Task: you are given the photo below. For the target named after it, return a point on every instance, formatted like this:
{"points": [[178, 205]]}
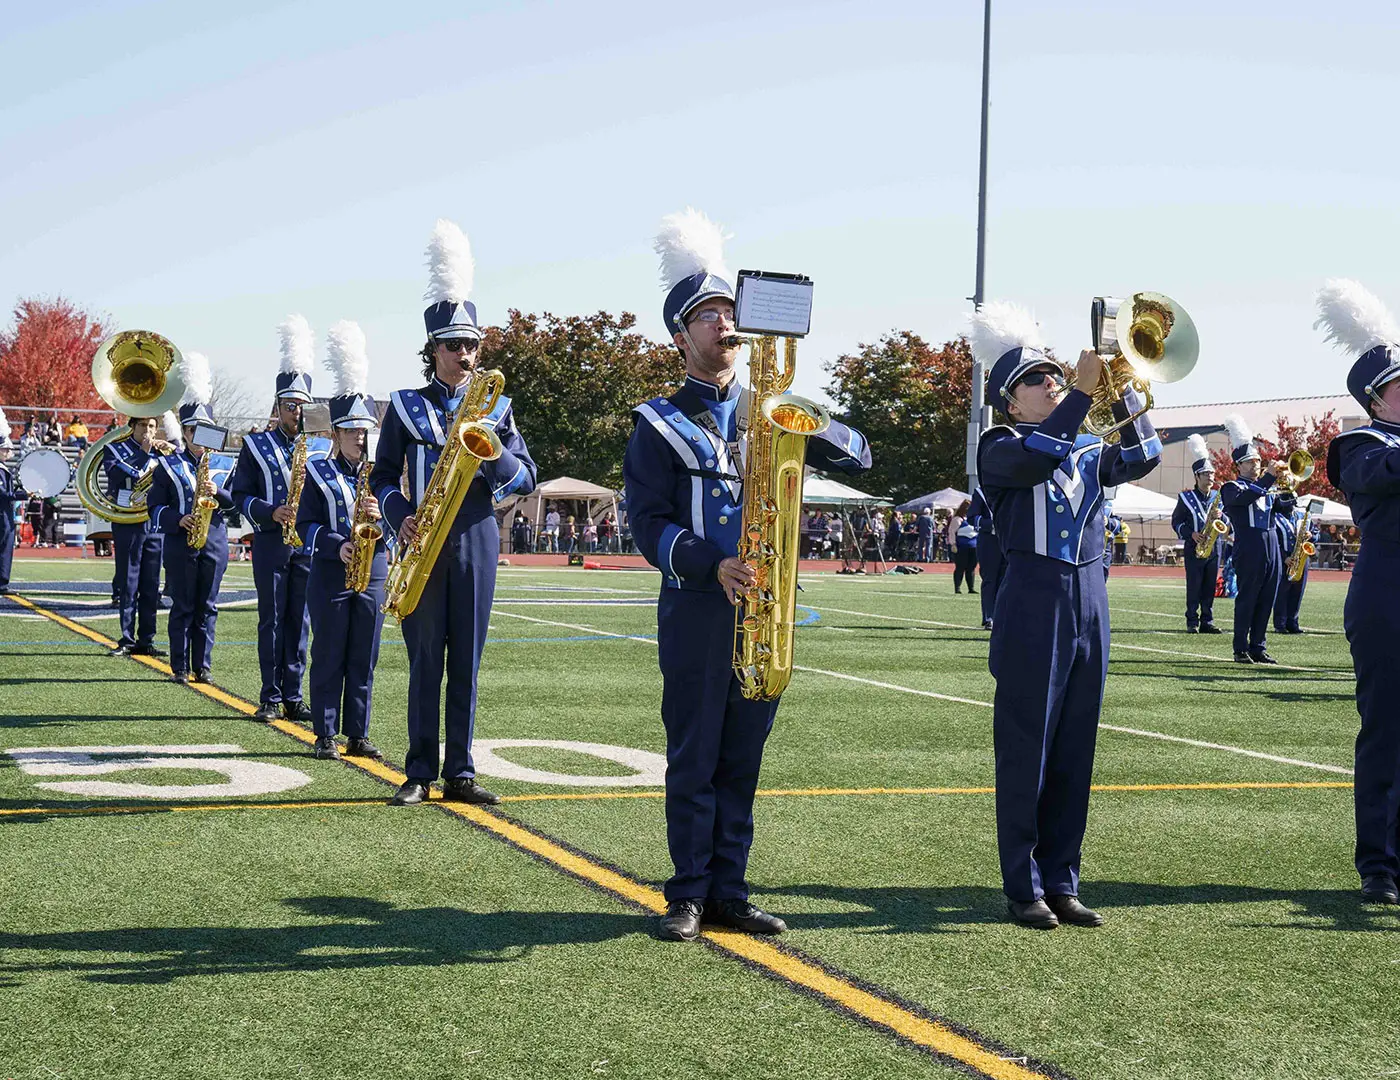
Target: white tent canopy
{"points": [[943, 499], [1333, 513], [1133, 503], [823, 492], [564, 487]]}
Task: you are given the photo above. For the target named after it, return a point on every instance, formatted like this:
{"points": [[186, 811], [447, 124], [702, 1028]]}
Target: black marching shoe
{"points": [[1380, 889], [681, 921], [326, 748], [204, 675], [268, 711], [1068, 909], [410, 793], [467, 790], [1192, 630], [1037, 914], [121, 650], [1210, 628], [1262, 657], [298, 711], [363, 748], [986, 624], [1243, 658], [180, 677], [741, 915], [148, 650]]}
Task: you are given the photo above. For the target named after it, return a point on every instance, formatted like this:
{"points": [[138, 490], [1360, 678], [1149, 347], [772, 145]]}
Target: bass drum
{"points": [[45, 472]]}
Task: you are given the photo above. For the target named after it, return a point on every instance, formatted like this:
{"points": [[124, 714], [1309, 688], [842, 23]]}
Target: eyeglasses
{"points": [[1036, 378], [467, 345], [710, 315]]}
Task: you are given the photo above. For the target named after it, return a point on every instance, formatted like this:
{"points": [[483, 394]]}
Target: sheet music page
{"points": [[775, 306]]}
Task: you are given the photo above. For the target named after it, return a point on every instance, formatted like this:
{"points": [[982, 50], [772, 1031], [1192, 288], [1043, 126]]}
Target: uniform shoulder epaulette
{"points": [[996, 431]]}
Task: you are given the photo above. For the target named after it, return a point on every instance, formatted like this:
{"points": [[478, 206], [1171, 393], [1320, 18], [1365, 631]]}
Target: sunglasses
{"points": [[1036, 378], [466, 345]]}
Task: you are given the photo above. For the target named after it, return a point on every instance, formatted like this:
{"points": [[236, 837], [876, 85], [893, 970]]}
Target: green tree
{"points": [[574, 381], [911, 400]]}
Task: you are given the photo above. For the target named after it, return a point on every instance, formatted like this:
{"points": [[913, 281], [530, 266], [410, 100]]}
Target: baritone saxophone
{"points": [[469, 443], [779, 426]]}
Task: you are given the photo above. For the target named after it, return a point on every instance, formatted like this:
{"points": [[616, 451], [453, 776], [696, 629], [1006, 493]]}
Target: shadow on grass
{"points": [[893, 910], [353, 932], [41, 810], [15, 723]]}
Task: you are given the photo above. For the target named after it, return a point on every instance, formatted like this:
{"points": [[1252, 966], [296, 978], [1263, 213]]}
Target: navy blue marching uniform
{"points": [[1289, 601], [989, 556], [1112, 529], [1189, 516], [138, 547], [10, 494], [192, 575], [685, 501], [1050, 632], [261, 483], [1252, 511]]}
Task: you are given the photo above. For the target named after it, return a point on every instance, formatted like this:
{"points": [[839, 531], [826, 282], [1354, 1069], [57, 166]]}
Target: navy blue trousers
{"points": [[446, 633], [1049, 656], [345, 647], [714, 747], [1289, 600], [137, 551], [283, 623], [192, 580], [1372, 622], [1257, 570], [1201, 576], [7, 549], [965, 568], [993, 564]]}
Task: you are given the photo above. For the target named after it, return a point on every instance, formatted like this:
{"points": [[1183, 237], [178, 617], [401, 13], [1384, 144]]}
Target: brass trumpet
{"points": [[1144, 339], [1296, 470]]}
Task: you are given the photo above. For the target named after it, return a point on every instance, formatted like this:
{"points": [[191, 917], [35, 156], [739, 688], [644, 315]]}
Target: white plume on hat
{"points": [[1196, 448], [199, 384], [170, 426], [451, 269], [298, 345], [1238, 430], [4, 429], [690, 243], [347, 357], [1353, 318], [999, 326]]}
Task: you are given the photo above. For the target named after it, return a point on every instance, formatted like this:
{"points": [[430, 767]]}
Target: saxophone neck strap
{"points": [[695, 408]]}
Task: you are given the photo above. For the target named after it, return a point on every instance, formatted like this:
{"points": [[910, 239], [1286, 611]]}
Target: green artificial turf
{"points": [[358, 941]]}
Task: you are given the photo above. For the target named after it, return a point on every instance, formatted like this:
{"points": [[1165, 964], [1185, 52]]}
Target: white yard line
{"points": [[972, 701], [1228, 660]]}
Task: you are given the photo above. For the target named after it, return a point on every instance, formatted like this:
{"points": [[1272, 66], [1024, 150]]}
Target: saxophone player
{"points": [[345, 622], [262, 485], [448, 626], [1192, 518], [685, 502], [1045, 481], [137, 547], [1294, 529], [192, 574], [1364, 463]]}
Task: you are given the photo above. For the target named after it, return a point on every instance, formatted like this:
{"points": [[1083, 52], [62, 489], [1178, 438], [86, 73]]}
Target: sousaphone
{"points": [[135, 372]]}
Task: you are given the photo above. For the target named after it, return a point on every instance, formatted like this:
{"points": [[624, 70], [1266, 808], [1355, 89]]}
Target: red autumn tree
{"points": [[1314, 435], [46, 357]]}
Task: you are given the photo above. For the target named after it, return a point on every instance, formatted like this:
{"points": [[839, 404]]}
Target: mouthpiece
{"points": [[731, 341]]}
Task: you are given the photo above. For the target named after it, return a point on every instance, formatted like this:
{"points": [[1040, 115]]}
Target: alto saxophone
{"points": [[290, 536], [1214, 529], [1303, 549], [779, 426], [204, 505], [364, 537], [469, 443]]}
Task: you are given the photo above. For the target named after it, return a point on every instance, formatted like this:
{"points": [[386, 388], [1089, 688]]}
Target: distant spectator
{"points": [[49, 525], [607, 530], [34, 515], [519, 534], [53, 434], [549, 535], [29, 440], [894, 548], [590, 537], [962, 542], [77, 433], [836, 533], [926, 530], [568, 536]]}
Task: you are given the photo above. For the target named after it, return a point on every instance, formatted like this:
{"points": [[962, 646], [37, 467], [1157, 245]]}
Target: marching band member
{"points": [[346, 623], [262, 483], [1044, 482], [989, 557], [137, 547], [1112, 528], [10, 493], [1289, 600], [192, 575], [1252, 508], [685, 501], [451, 619], [1365, 464], [1189, 523]]}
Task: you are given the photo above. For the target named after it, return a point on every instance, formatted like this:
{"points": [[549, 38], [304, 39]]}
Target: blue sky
{"points": [[204, 170]]}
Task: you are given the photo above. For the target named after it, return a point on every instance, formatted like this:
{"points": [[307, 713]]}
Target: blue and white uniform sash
{"points": [[428, 423], [275, 461]]}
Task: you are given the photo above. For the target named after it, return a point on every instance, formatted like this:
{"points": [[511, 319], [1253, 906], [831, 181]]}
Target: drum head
{"points": [[45, 472]]}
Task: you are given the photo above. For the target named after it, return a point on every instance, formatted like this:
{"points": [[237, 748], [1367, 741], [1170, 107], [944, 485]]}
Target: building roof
{"points": [[1178, 421]]}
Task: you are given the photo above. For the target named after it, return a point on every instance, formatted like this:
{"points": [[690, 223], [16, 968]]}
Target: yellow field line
{"points": [[865, 1004]]}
